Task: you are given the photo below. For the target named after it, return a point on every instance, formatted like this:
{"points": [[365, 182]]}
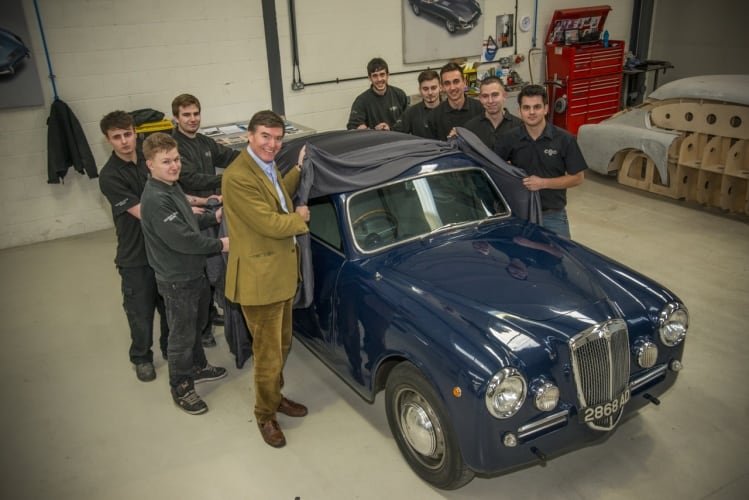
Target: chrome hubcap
{"points": [[418, 429], [421, 428]]}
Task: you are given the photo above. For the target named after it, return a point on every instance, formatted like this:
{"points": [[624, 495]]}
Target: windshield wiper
{"points": [[491, 217], [447, 226]]}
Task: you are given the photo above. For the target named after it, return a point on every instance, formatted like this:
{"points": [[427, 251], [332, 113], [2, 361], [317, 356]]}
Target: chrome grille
{"points": [[600, 362]]}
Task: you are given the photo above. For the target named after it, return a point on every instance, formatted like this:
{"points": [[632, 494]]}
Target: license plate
{"points": [[604, 410]]}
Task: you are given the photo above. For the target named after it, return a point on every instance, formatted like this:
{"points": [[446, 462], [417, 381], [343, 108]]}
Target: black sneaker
{"points": [[208, 373], [185, 397], [145, 372]]}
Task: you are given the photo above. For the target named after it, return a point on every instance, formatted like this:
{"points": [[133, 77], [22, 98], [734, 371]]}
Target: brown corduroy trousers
{"points": [[270, 325]]}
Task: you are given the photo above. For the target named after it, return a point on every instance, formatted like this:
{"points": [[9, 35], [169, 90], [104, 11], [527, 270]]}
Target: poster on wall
{"points": [[441, 29], [19, 78], [505, 30]]}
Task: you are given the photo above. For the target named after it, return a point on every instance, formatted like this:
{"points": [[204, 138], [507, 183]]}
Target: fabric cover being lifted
{"points": [[344, 161]]}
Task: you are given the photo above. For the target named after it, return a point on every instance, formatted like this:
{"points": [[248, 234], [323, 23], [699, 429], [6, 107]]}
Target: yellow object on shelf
{"points": [[151, 127], [471, 78]]}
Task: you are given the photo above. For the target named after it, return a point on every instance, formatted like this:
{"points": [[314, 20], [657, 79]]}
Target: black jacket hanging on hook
{"points": [[67, 145]]}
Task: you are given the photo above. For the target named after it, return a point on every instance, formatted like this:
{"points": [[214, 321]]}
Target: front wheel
{"points": [[415, 8], [418, 421], [450, 26]]}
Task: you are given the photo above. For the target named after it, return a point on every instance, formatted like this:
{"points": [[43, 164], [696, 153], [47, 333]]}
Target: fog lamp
{"points": [[646, 353], [546, 396]]}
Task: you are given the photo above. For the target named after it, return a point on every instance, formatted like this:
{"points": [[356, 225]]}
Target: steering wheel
{"points": [[361, 223]]}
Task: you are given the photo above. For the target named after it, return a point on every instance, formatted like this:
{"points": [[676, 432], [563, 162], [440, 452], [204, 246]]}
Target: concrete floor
{"points": [[78, 425]]}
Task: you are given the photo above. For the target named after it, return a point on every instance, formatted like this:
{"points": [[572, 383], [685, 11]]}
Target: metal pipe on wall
{"points": [[298, 84]]}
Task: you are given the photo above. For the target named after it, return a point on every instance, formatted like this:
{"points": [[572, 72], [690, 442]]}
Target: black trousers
{"points": [[216, 272], [140, 298], [186, 305]]}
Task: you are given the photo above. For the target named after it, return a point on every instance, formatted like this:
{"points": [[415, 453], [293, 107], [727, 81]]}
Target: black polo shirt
{"points": [[484, 128], [415, 121], [444, 118], [554, 154], [122, 183], [371, 109], [201, 156]]}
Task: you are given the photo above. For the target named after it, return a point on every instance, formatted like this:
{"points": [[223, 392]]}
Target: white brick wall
{"points": [[109, 54]]}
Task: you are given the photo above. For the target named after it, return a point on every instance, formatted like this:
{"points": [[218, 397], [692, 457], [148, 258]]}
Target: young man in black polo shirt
{"points": [[415, 120], [122, 180], [458, 108], [201, 156], [495, 120], [549, 154], [380, 106], [177, 251]]}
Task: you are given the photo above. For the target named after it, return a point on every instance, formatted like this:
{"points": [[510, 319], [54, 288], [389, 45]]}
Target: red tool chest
{"points": [[585, 75]]}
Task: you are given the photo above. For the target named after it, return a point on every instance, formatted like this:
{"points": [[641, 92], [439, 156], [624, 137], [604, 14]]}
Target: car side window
{"points": [[323, 222]]}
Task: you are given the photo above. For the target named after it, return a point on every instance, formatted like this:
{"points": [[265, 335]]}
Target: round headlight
{"points": [[646, 353], [505, 393], [546, 396], [673, 322]]}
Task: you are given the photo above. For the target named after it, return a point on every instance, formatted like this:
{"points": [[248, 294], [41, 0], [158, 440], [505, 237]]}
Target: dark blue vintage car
{"points": [[498, 343], [456, 14], [12, 52]]}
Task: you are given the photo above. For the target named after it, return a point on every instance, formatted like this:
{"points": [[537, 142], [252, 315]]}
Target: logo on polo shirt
{"points": [[550, 152], [170, 217]]}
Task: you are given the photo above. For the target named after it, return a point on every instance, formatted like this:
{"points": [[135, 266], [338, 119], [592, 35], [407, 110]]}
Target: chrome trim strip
{"points": [[644, 379], [544, 423]]}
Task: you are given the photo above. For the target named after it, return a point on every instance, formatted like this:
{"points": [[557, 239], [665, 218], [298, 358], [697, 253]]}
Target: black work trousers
{"points": [[186, 305], [140, 298]]}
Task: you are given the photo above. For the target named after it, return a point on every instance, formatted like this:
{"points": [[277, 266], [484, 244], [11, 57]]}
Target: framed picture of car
{"points": [[441, 29], [19, 78]]}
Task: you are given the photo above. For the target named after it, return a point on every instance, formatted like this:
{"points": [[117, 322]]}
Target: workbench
{"points": [[234, 135]]}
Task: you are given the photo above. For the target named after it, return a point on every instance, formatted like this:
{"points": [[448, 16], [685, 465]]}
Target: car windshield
{"points": [[417, 206]]}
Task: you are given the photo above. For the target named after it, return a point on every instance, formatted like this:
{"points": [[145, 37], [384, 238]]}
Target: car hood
{"points": [[514, 268], [465, 10]]}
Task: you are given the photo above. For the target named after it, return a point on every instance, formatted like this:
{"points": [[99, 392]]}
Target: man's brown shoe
{"points": [[272, 434], [292, 409]]}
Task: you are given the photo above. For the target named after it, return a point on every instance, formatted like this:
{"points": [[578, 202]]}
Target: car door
{"points": [[344, 324], [315, 323]]}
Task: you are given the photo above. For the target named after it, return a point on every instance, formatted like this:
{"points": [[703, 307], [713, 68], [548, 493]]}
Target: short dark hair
{"points": [[184, 100], [451, 66], [158, 142], [428, 74], [268, 119], [116, 119], [533, 90], [492, 79], [377, 64]]}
